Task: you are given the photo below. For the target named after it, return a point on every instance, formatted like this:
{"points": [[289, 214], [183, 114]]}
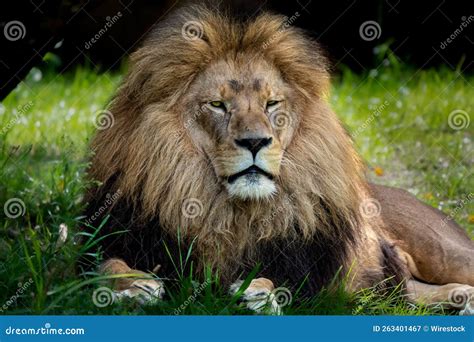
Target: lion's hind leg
{"points": [[456, 296], [435, 248], [143, 287]]}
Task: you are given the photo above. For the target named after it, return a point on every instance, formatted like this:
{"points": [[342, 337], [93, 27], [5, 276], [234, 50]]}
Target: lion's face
{"points": [[242, 122]]}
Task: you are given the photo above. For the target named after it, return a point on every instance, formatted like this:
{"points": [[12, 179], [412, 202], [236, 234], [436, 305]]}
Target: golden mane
{"points": [[153, 162]]}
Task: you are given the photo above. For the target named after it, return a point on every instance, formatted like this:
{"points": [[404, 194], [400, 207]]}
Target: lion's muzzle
{"points": [[254, 178]]}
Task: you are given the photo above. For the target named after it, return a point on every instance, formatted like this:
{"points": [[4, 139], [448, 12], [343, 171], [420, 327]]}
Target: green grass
{"points": [[397, 115]]}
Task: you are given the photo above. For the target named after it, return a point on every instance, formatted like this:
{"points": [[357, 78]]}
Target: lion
{"points": [[224, 148]]}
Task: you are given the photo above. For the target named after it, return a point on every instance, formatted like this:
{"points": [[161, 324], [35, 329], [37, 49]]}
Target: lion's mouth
{"points": [[251, 171]]}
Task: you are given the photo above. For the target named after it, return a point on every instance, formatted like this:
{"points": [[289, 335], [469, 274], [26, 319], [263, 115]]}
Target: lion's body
{"points": [[298, 216]]}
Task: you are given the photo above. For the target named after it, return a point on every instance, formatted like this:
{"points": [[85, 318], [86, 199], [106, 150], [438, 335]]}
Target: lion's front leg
{"points": [[143, 287], [259, 296]]}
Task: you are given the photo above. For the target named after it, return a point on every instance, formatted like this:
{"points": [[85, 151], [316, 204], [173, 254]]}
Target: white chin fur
{"points": [[253, 187]]}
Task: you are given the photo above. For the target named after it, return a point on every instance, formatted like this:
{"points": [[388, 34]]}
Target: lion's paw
{"points": [[468, 310], [462, 298], [258, 297], [145, 291]]}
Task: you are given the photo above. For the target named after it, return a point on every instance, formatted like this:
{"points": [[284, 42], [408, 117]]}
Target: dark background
{"points": [[414, 31]]}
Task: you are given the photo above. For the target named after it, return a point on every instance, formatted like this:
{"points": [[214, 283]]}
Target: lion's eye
{"points": [[217, 104], [272, 103]]}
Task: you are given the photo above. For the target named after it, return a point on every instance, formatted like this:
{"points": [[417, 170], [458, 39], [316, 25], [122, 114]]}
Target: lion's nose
{"points": [[254, 145]]}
